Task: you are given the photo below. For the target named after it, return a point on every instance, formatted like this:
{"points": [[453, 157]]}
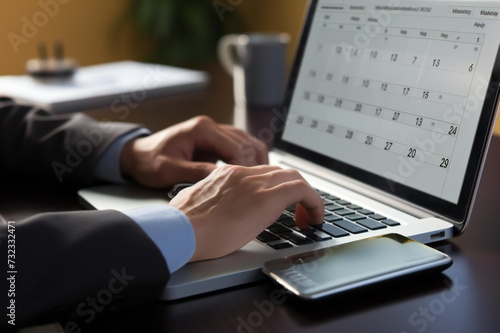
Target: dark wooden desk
{"points": [[466, 298]]}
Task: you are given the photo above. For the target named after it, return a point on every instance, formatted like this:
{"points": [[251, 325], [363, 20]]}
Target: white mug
{"points": [[257, 63]]}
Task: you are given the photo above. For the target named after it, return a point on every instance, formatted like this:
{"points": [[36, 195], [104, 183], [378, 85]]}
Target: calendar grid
{"points": [[476, 39], [385, 87], [371, 140], [406, 83]]}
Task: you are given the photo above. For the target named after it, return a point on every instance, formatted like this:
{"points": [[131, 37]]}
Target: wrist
{"points": [[128, 159]]}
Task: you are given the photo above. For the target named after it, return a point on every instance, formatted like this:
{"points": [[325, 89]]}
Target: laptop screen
{"points": [[397, 94]]}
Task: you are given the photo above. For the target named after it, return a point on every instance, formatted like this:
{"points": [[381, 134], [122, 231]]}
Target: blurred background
{"points": [[175, 32], [182, 32]]}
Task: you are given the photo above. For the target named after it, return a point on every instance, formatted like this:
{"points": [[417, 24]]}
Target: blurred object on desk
{"points": [[216, 101], [51, 69], [112, 85], [257, 62]]}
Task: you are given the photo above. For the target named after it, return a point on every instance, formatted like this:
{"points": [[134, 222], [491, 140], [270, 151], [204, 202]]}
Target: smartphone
{"points": [[324, 272]]}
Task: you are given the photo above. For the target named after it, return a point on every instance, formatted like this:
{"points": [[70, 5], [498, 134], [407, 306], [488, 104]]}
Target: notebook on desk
{"points": [[389, 114], [117, 85]]}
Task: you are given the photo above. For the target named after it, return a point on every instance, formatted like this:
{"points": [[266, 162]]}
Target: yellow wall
{"points": [[86, 27], [275, 15]]}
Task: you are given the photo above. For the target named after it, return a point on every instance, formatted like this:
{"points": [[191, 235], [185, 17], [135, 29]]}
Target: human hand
{"points": [[234, 204], [186, 152]]}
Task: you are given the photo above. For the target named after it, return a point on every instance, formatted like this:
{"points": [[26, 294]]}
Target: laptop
{"points": [[389, 114]]}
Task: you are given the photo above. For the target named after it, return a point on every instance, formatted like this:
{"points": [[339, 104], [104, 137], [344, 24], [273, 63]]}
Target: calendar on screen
{"points": [[396, 88]]}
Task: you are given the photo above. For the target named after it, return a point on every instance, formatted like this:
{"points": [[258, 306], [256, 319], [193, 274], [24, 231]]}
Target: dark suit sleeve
{"points": [[64, 148], [77, 265]]}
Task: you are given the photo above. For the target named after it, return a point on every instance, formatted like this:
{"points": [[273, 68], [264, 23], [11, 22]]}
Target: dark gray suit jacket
{"points": [[69, 265]]}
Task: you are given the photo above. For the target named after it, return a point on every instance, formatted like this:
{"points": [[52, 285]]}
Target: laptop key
{"points": [[296, 238], [331, 197], [332, 230], [371, 224], [321, 193], [355, 217], [377, 217], [333, 207], [280, 245], [343, 202], [332, 218], [283, 217], [290, 223], [315, 234], [354, 207], [274, 225], [351, 227], [365, 211], [266, 237], [390, 223], [344, 212], [280, 230]]}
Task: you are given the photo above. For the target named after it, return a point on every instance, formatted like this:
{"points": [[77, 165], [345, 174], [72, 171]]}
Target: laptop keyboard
{"points": [[342, 219]]}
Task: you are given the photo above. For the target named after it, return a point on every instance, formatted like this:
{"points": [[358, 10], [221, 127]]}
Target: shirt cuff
{"points": [[108, 166], [170, 230]]}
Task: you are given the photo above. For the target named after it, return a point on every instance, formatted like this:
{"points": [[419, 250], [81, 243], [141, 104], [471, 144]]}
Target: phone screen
{"points": [[327, 271]]}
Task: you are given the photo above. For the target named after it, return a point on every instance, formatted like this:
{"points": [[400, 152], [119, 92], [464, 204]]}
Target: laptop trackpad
{"points": [[120, 197]]}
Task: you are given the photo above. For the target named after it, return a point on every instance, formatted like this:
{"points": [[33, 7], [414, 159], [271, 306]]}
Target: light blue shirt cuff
{"points": [[108, 166], [170, 230]]}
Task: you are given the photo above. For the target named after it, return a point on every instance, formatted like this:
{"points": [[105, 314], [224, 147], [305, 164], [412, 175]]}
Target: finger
{"points": [[274, 176], [310, 208], [211, 138], [254, 150], [187, 171], [284, 188], [291, 188], [245, 152], [303, 219]]}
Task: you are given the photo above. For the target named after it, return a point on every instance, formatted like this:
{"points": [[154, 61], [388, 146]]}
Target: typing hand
{"points": [[187, 152], [234, 204]]}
